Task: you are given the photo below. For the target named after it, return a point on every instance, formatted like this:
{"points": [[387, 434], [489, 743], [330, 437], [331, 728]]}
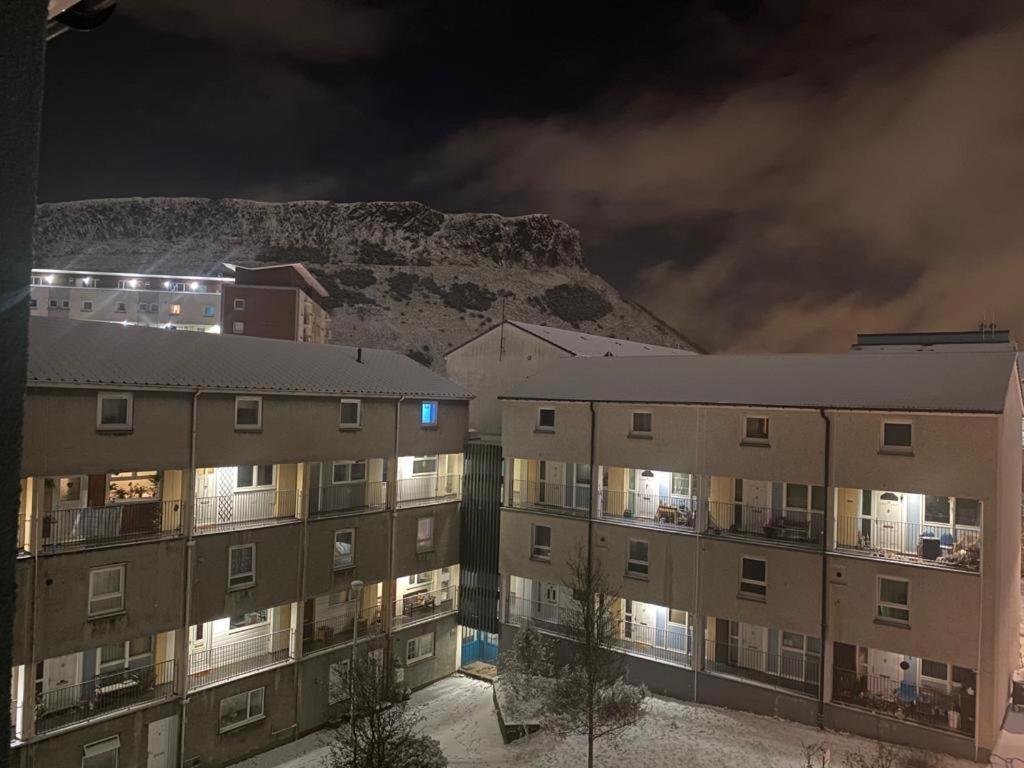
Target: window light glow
{"points": [[49, 278]]}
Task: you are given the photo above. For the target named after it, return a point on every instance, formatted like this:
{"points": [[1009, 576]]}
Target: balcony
{"points": [[791, 671], [244, 509], [952, 711], [946, 545], [69, 704], [67, 529], [415, 606], [428, 489], [791, 526], [545, 496], [349, 497], [337, 630], [214, 663], [661, 510]]}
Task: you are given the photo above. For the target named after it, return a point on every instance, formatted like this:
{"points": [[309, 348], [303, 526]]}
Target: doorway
{"points": [[162, 743]]}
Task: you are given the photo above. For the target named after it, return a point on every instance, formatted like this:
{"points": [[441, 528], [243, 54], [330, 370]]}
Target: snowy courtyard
{"points": [[458, 712]]}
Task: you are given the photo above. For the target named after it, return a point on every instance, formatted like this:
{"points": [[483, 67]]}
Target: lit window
{"points": [[897, 436], [894, 600], [424, 465], [208, 310], [248, 412], [424, 534], [636, 561], [102, 754], [239, 304], [428, 413], [241, 566], [755, 429], [238, 327], [174, 309], [129, 486], [250, 619], [680, 484], [106, 590], [546, 419], [241, 709], [349, 414], [753, 577], [421, 647], [87, 306], [641, 425], [250, 476], [114, 410], [344, 549], [541, 549]]}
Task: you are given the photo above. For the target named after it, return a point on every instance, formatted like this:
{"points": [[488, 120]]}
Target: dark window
{"points": [[546, 418], [936, 509], [642, 422], [753, 577], [756, 428], [968, 512], [896, 435], [934, 669]]}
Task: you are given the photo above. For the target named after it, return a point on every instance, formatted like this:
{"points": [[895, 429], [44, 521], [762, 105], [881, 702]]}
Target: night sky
{"points": [[763, 175]]}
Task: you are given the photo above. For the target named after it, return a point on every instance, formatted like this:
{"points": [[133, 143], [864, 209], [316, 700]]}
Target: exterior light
{"points": [[86, 280], [213, 329], [194, 286], [167, 283], [647, 473], [49, 278], [132, 283]]}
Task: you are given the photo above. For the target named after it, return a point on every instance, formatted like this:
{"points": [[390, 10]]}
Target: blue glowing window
{"points": [[428, 413]]}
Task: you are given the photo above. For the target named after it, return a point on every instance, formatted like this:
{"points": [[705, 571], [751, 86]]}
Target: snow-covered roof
{"points": [[77, 353], [974, 382]]}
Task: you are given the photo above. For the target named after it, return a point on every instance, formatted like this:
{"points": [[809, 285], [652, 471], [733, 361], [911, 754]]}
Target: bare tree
{"points": [[384, 734]]}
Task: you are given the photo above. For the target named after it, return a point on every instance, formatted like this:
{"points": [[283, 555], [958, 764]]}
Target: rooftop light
{"points": [[194, 286], [49, 278]]}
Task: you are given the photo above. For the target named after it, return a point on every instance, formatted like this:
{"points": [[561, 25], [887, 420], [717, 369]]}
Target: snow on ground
{"points": [[459, 712]]}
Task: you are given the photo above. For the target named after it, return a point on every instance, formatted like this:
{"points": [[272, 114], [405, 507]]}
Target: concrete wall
{"points": [[674, 445], [449, 436], [315, 711], [446, 539], [441, 664], [371, 555], [570, 440], [863, 723], [21, 627]]}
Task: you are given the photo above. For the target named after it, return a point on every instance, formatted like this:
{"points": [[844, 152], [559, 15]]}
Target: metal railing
{"points": [[952, 711], [221, 661], [547, 617], [804, 527], [69, 704], [109, 524], [792, 671], [923, 542], [414, 607], [331, 499], [337, 629], [552, 497], [243, 508], [428, 489], [646, 508]]}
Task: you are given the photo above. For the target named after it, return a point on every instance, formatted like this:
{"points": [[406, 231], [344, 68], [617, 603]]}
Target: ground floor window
{"points": [[337, 683], [101, 754], [240, 709], [421, 647]]}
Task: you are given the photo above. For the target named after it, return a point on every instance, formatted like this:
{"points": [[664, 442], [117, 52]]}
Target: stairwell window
{"points": [[241, 709], [241, 566], [428, 413], [637, 564], [545, 419], [106, 590], [897, 437], [641, 424], [755, 430], [893, 600], [350, 414], [114, 411], [753, 578], [541, 548], [248, 413], [425, 534]]}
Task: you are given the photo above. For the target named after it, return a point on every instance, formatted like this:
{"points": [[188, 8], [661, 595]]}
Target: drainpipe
{"points": [[392, 522], [299, 614], [188, 519], [824, 567]]}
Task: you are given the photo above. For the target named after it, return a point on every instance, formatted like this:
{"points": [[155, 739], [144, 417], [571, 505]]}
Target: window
{"points": [[936, 670], [102, 754], [425, 534], [753, 577], [349, 414], [337, 683], [428, 413], [755, 429], [541, 549], [208, 310], [87, 306], [680, 484], [33, 303], [248, 413], [677, 616], [106, 590], [344, 549], [241, 566], [636, 558], [131, 486], [119, 656], [250, 619], [936, 509], [968, 513], [546, 419], [114, 410], [239, 304], [127, 284], [897, 436], [418, 579], [154, 307], [641, 425], [65, 304], [348, 472], [241, 709], [254, 476], [421, 647], [238, 327], [54, 304], [174, 309], [424, 465], [121, 307], [894, 600]]}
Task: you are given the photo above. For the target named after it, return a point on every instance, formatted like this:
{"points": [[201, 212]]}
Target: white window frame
{"points": [[417, 641], [352, 557], [359, 413], [337, 682], [239, 305], [428, 473], [631, 561], [934, 683], [126, 396], [436, 409], [87, 305], [259, 413], [633, 431], [754, 583], [904, 449], [540, 551], [545, 427], [757, 440], [424, 544], [248, 627], [234, 582], [237, 326], [256, 485], [348, 463], [250, 716], [100, 749], [880, 604], [689, 485], [93, 596]]}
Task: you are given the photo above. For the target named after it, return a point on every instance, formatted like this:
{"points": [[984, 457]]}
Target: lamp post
{"points": [[355, 592]]}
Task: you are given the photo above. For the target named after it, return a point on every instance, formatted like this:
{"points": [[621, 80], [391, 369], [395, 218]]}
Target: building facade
{"points": [[280, 301], [195, 512], [832, 539]]}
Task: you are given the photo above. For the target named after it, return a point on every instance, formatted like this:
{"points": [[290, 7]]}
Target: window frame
{"points": [[249, 716], [348, 463], [749, 439], [541, 426], [418, 640], [209, 310], [237, 326], [119, 568], [885, 604], [884, 447], [430, 473], [101, 748], [87, 305], [238, 305], [689, 485], [174, 309], [335, 567], [233, 583], [540, 552], [247, 627], [121, 307], [633, 431], [256, 484], [758, 588], [358, 423], [434, 407], [633, 561], [128, 425], [258, 399], [424, 544]]}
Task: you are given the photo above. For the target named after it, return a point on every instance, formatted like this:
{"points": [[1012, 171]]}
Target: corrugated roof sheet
{"points": [[927, 381], [79, 352], [589, 345]]}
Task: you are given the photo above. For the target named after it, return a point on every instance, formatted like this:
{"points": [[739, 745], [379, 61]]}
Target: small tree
{"points": [[383, 734], [527, 665]]}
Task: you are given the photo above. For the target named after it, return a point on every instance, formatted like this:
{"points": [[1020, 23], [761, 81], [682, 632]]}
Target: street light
{"points": [[355, 592]]}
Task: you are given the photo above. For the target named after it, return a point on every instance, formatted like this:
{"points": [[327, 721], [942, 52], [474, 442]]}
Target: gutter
{"points": [[824, 568]]}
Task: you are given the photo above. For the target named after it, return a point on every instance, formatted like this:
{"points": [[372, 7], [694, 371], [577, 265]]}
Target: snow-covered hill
{"points": [[401, 275]]}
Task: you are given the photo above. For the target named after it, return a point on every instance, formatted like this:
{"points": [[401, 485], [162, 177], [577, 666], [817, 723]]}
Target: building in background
{"points": [[280, 301]]}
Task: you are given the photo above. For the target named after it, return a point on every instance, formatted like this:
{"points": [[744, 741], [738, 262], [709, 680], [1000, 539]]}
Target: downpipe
{"points": [[824, 566]]}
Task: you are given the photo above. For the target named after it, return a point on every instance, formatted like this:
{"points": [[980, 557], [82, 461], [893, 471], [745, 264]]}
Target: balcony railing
{"points": [[918, 542], [952, 711], [414, 607], [552, 497], [95, 526], [70, 704], [792, 671], [244, 508], [428, 489], [219, 662], [805, 527], [650, 509], [337, 630], [334, 499]]}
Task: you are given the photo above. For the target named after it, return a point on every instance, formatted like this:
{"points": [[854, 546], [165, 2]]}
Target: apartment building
{"points": [[832, 539], [277, 301], [197, 514]]}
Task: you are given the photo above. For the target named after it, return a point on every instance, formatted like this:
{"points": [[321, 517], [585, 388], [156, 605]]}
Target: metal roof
{"points": [[971, 382], [77, 353]]}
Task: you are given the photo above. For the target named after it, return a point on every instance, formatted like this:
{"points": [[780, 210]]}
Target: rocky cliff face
{"points": [[401, 275]]}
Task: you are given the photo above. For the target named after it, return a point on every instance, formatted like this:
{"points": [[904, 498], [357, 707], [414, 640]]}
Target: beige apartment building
{"points": [[195, 510], [832, 539]]}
